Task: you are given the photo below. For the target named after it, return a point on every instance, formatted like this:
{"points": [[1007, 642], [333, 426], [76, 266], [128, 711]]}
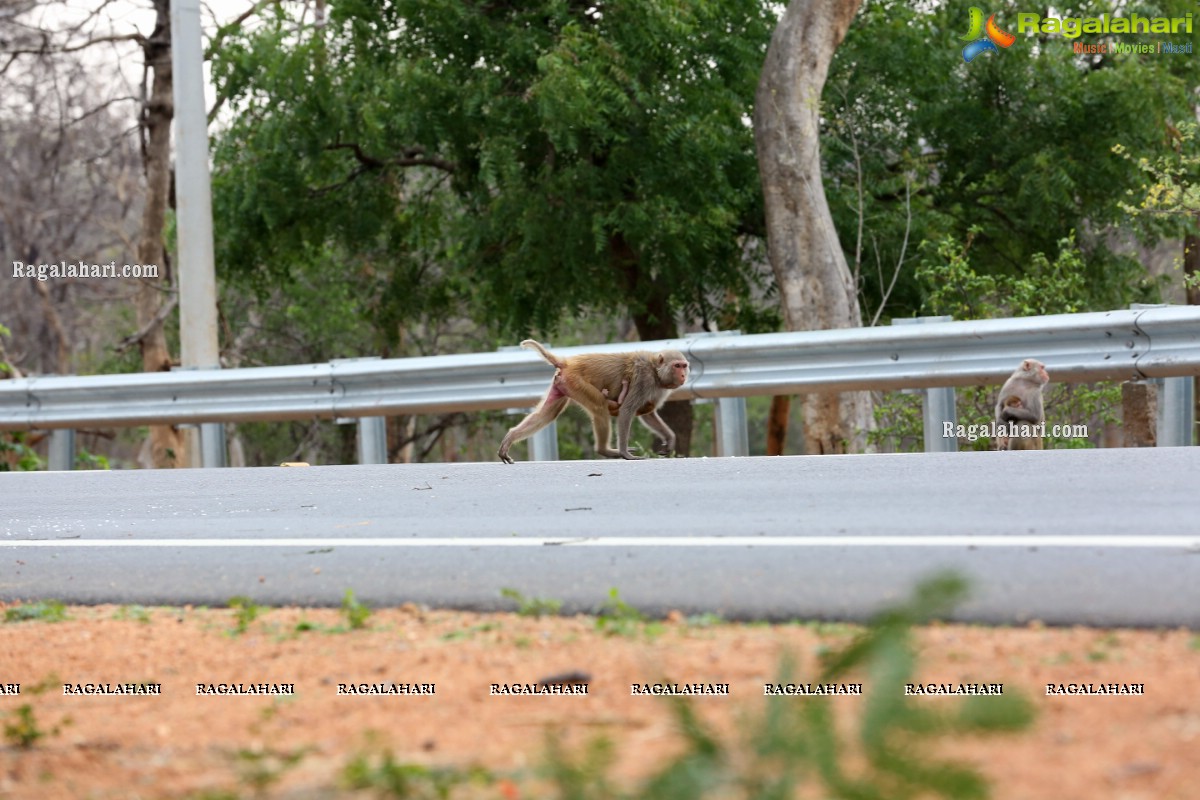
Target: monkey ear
{"points": [[661, 359]]}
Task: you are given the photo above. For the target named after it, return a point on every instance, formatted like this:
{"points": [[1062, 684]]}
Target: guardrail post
{"points": [[372, 440], [62, 449], [1176, 421], [212, 445], [938, 405], [211, 435], [370, 432], [939, 408], [543, 445], [732, 438]]}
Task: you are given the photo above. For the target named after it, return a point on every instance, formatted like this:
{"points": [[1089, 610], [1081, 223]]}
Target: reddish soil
{"points": [[178, 744]]}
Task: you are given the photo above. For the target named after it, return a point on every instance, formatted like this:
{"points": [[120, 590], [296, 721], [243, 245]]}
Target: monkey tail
{"points": [[554, 360]]}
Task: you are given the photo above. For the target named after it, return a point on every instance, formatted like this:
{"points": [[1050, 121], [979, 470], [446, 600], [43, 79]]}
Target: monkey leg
{"points": [[552, 405], [603, 435], [624, 424], [661, 429]]}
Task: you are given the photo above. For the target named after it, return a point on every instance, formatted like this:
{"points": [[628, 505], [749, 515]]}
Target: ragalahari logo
{"points": [[983, 37]]}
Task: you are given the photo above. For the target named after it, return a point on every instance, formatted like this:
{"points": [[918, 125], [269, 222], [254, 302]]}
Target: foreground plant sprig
{"points": [[792, 744]]}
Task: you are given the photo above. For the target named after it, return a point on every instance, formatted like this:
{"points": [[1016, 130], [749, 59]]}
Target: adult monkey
{"points": [[640, 381], [1020, 405]]}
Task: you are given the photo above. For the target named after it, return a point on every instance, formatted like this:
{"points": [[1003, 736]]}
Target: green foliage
{"points": [[41, 611], [260, 769], [14, 449], [469, 633], [618, 618], [87, 460], [245, 611], [135, 612], [708, 619], [899, 425], [532, 606], [410, 781], [790, 746], [1171, 179], [448, 158], [581, 776], [5, 367], [21, 727], [953, 286], [355, 612], [1016, 145]]}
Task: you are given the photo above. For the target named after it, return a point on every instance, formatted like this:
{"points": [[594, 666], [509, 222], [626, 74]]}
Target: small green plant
{"points": [[21, 728], [15, 453], [86, 460], [245, 611], [41, 611], [793, 749], [138, 613], [462, 635], [532, 606], [262, 768], [356, 613], [410, 781], [584, 775], [618, 618]]}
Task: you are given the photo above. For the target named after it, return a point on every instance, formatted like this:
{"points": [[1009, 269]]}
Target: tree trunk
{"points": [[651, 312], [166, 441], [815, 284]]}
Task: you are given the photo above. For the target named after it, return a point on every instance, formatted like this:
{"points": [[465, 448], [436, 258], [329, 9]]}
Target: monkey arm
{"points": [[661, 429]]}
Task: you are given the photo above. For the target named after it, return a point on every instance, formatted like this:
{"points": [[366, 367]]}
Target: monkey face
{"points": [[673, 369], [681, 372], [1035, 368]]}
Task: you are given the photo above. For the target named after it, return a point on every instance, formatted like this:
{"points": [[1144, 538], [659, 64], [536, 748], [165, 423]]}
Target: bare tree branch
{"points": [[411, 157], [132, 339], [46, 49]]}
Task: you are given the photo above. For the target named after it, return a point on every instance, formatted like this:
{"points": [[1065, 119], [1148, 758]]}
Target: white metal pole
{"points": [[193, 199]]}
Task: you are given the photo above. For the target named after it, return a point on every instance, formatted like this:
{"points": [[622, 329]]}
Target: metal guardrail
{"points": [[1115, 345]]}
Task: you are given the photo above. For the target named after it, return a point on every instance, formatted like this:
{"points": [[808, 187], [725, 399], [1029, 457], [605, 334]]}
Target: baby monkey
{"points": [[640, 381], [1020, 404]]}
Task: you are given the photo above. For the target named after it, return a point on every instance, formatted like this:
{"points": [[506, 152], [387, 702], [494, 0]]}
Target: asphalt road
{"points": [[1102, 537]]}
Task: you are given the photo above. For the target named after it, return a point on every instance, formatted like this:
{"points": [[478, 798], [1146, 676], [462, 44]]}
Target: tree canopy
{"points": [[1011, 154], [532, 160]]}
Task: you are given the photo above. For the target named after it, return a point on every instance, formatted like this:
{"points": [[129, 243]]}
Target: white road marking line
{"points": [[1159, 542]]}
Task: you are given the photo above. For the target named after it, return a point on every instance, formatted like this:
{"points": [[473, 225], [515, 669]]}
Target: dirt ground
{"points": [[178, 744]]}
